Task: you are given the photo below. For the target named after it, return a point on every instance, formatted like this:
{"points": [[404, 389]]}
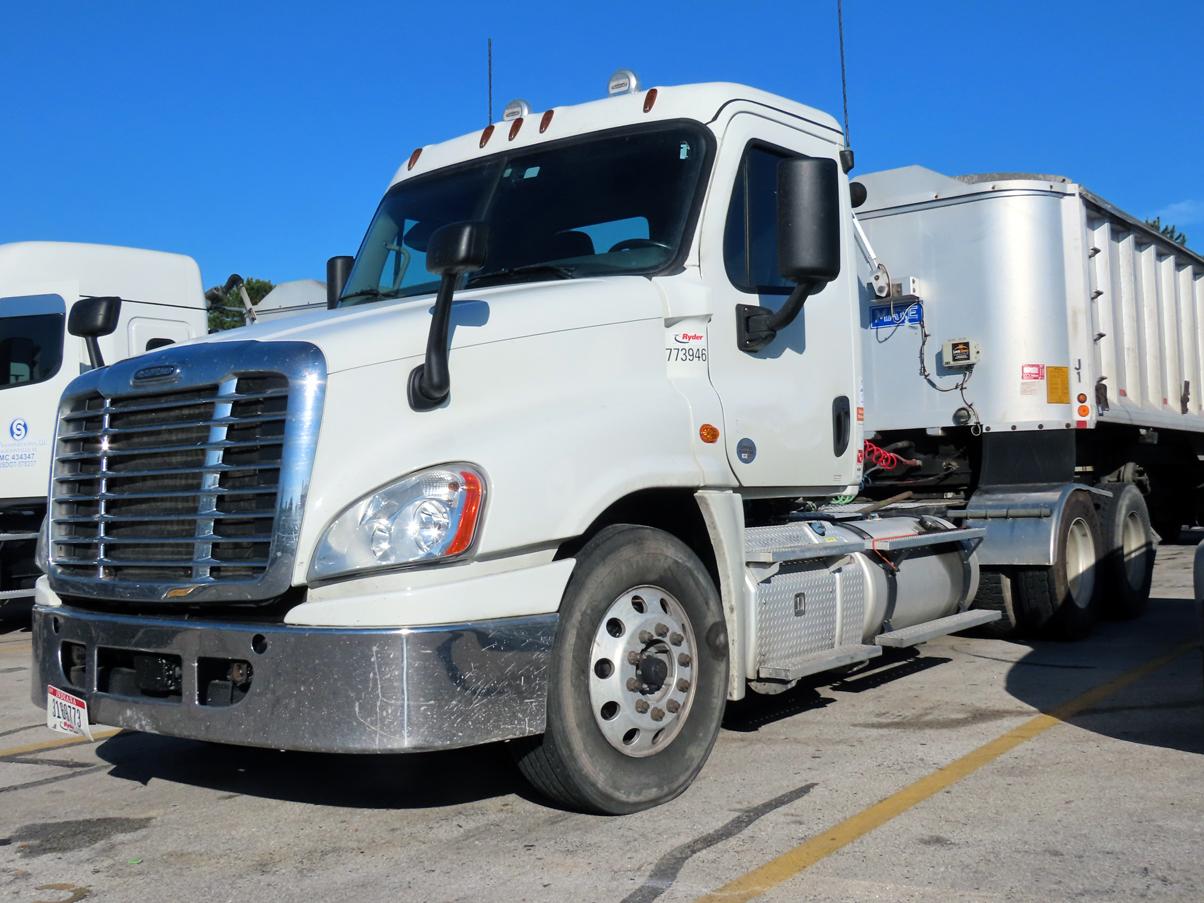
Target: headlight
{"points": [[428, 516]]}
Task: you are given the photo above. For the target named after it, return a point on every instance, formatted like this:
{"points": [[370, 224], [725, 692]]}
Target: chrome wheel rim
{"points": [[1080, 562], [642, 671]]}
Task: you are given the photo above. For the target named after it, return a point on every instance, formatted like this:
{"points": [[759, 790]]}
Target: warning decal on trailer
{"points": [[1057, 385], [1032, 371]]}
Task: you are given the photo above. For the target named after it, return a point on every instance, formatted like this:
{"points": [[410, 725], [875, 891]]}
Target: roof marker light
{"points": [[486, 135], [413, 158], [515, 126], [623, 81], [649, 99], [545, 120], [516, 109]]}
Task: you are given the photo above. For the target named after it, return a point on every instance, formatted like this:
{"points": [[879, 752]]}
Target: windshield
{"points": [[31, 339], [609, 203]]}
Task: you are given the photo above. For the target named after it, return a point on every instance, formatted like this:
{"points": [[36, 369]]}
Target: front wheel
{"points": [[638, 678]]}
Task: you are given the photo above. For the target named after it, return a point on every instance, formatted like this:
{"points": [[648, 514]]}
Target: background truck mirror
{"points": [[91, 318]]}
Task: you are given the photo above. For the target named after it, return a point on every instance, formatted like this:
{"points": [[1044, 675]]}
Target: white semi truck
{"points": [[40, 284], [556, 470]]}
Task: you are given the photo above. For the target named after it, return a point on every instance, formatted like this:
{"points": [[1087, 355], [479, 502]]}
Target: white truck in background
{"points": [[556, 471], [40, 284]]}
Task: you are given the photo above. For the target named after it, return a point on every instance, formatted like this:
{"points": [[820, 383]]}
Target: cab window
{"points": [[750, 238]]}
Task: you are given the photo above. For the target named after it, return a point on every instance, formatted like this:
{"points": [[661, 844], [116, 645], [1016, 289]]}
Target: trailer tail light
{"points": [[486, 135], [649, 100], [413, 158], [545, 120]]}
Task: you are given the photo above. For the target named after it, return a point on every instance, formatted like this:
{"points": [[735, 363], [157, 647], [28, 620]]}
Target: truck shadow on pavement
{"points": [[408, 781], [1163, 708]]}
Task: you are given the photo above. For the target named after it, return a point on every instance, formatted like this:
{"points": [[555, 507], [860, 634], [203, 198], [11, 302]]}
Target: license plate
{"points": [[67, 714]]}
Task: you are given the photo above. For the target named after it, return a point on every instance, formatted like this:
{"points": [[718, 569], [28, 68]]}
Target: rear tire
{"points": [[1126, 567], [995, 594], [638, 679], [1060, 599]]}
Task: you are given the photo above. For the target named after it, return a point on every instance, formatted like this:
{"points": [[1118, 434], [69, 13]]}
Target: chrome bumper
{"points": [[322, 689]]}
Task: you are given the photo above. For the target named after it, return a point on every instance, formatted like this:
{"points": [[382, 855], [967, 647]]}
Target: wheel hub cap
{"points": [[642, 671]]}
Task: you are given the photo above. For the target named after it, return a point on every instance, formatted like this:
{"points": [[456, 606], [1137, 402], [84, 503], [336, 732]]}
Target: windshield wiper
{"points": [[506, 274]]}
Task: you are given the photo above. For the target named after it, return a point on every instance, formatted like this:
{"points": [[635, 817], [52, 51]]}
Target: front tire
{"points": [[638, 678], [1060, 599]]}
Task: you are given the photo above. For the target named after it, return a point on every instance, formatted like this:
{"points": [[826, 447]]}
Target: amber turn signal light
{"points": [[708, 433]]}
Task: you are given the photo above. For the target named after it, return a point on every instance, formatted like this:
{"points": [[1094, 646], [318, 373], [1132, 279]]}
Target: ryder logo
{"points": [[685, 338]]}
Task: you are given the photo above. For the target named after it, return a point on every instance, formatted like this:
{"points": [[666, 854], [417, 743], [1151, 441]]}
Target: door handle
{"points": [[841, 425]]}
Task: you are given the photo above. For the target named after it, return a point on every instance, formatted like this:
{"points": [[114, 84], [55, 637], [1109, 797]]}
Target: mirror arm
{"points": [[757, 326], [430, 382], [94, 356]]}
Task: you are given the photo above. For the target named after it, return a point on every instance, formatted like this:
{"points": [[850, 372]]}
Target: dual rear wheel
{"points": [[1103, 565]]}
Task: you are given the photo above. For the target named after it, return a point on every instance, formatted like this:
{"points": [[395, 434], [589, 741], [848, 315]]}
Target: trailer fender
{"points": [[1022, 522]]}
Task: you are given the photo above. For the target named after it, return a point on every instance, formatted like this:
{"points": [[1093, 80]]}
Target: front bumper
{"points": [[324, 689]]}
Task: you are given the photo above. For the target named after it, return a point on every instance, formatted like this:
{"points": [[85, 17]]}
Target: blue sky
{"points": [[258, 137]]}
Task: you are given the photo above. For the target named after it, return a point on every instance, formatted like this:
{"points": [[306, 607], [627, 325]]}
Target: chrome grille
{"points": [[159, 493]]}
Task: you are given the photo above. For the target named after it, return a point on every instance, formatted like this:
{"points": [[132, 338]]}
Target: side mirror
{"points": [[452, 249], [809, 221], [91, 318], [338, 270], [809, 227], [456, 248]]}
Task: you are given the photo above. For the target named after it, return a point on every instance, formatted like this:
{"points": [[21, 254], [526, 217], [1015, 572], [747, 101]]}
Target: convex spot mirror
{"points": [[91, 318], [809, 221]]}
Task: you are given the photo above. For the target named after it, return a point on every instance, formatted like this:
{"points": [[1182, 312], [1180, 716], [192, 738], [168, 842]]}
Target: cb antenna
{"points": [[846, 153], [489, 76]]}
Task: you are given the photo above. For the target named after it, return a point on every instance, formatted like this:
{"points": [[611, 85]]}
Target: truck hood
{"points": [[391, 330]]}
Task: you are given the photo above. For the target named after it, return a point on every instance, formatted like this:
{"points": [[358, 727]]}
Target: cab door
{"points": [[790, 409]]}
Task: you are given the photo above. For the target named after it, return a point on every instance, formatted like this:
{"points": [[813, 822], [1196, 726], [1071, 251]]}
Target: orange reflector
{"points": [[414, 158], [649, 100], [545, 120], [472, 509], [708, 433], [1084, 410], [486, 135], [515, 126], [1082, 398]]}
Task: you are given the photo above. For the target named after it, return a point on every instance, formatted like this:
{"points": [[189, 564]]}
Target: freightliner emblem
{"points": [[159, 371]]}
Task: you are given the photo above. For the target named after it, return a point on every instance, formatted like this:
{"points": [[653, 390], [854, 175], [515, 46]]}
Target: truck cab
{"points": [[40, 283], [549, 473]]}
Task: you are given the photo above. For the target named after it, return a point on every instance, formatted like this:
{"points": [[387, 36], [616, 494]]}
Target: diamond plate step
{"points": [[794, 542], [910, 636], [819, 661]]}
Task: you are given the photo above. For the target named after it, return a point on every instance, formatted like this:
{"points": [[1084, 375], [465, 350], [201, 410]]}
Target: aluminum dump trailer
{"points": [[1058, 292]]}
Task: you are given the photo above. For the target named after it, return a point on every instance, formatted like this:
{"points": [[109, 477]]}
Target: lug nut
{"points": [[641, 705], [684, 660], [658, 715], [683, 685], [633, 658], [633, 684], [673, 706], [675, 639], [662, 629], [645, 637]]}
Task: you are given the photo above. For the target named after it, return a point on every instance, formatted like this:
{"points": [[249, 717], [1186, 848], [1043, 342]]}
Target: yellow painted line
{"points": [[29, 748], [786, 866]]}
